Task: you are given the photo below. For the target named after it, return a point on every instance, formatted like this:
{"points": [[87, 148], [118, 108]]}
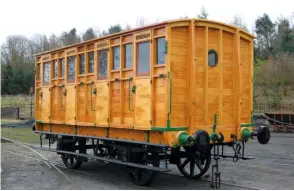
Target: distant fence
{"points": [[23, 111], [263, 107]]}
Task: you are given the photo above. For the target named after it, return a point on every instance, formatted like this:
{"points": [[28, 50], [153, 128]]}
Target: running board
{"points": [[106, 159]]}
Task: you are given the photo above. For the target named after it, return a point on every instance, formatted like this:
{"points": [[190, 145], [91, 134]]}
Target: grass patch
{"points": [[15, 100], [23, 134], [7, 121]]}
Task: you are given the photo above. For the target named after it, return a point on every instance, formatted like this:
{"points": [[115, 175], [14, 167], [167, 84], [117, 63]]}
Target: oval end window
{"points": [[212, 58]]}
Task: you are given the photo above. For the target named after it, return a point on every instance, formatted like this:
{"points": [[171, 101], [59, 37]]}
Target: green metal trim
{"points": [[129, 98], [247, 125], [165, 46], [184, 139], [213, 137], [38, 121], [169, 128], [214, 123], [147, 136], [251, 117], [170, 102], [246, 134], [107, 132]]}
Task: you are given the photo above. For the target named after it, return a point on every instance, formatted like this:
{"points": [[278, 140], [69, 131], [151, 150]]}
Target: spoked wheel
{"points": [[143, 177], [193, 164], [73, 161]]}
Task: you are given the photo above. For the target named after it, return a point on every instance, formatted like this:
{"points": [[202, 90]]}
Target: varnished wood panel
{"points": [[143, 104], [102, 104], [179, 73]]}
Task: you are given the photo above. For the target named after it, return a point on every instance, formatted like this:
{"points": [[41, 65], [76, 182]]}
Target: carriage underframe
{"points": [[143, 160]]}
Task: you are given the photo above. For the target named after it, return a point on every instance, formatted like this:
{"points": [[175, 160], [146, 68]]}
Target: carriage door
{"points": [[45, 94], [70, 91], [142, 88]]}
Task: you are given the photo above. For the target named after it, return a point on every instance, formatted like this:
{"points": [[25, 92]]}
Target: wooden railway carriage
{"points": [[141, 95]]}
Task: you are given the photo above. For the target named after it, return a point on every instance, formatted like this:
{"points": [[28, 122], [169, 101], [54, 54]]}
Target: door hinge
{"points": [[150, 81], [151, 122], [107, 119]]}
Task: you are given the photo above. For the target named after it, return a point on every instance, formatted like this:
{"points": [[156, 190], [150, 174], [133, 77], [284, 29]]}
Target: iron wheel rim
{"points": [[194, 164]]}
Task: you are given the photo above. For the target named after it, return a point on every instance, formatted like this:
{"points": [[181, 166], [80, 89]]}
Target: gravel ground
{"points": [[272, 168]]}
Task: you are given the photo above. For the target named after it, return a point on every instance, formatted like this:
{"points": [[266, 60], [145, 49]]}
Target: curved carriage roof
{"points": [[147, 27]]}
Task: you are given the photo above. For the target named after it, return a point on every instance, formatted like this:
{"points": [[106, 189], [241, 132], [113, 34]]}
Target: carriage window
{"points": [[71, 68], [55, 69], [128, 55], [102, 57], [38, 71], [116, 57], [91, 62], [160, 54], [82, 63], [46, 73], [143, 58], [212, 58], [62, 67]]}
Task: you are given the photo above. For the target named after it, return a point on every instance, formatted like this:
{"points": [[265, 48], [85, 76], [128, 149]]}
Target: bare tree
{"points": [[54, 42], [141, 21], [239, 22], [203, 13]]}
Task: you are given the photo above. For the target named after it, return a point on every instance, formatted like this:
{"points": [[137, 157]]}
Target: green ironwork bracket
{"points": [[184, 139], [214, 135], [38, 121], [95, 91], [170, 101], [134, 88], [107, 132], [147, 136], [246, 133], [214, 123], [130, 93], [169, 128], [165, 46], [247, 125]]}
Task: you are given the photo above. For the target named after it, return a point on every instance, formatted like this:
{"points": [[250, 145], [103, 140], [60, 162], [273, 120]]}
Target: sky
{"points": [[30, 17]]}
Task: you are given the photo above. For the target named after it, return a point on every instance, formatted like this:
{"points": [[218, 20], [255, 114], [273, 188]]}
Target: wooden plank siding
{"points": [[179, 73]]}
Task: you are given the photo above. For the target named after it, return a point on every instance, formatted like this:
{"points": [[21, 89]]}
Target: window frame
{"points": [[67, 64], [112, 57], [88, 62], [79, 64], [156, 51], [55, 61], [137, 58], [98, 63], [125, 56], [43, 79], [60, 68], [214, 52]]}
